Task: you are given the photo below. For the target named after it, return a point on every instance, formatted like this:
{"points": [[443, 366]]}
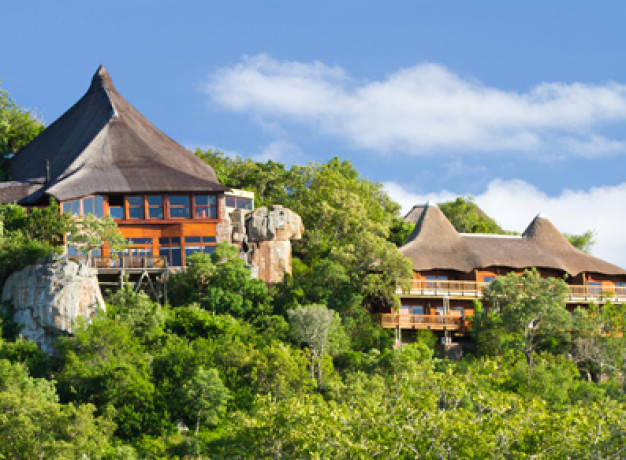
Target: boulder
{"points": [[49, 296], [275, 223], [264, 236]]}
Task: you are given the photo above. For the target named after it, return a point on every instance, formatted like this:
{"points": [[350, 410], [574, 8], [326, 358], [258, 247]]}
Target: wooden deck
{"points": [[127, 263], [473, 289], [144, 273], [433, 322]]}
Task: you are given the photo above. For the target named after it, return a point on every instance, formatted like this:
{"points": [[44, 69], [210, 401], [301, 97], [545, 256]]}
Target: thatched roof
{"points": [[104, 145], [436, 245]]}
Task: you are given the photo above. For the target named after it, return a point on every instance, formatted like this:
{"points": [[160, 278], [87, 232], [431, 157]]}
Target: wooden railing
{"points": [[452, 288], [408, 321], [125, 261], [441, 288]]}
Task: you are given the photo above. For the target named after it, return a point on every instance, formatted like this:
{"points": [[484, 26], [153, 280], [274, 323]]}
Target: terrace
{"points": [[473, 289]]}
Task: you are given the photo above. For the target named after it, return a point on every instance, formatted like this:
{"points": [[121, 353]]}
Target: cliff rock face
{"points": [[49, 296], [268, 235]]}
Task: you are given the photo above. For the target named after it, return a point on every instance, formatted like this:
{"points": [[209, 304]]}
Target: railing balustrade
{"points": [[452, 322], [475, 289], [124, 261]]}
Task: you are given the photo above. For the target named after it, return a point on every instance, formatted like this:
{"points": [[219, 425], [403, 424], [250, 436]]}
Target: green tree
{"points": [[584, 241], [400, 231], [221, 283], [206, 396], [26, 238], [466, 217], [34, 425], [17, 128], [313, 325], [526, 312], [91, 233]]}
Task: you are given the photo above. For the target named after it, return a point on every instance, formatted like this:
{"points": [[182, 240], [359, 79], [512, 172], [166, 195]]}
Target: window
{"points": [[140, 241], [135, 207], [244, 203], [202, 244], [205, 206], [460, 311], [170, 249], [179, 206], [116, 207], [239, 202], [172, 255], [89, 205], [417, 310], [620, 289], [488, 279], [155, 207]]}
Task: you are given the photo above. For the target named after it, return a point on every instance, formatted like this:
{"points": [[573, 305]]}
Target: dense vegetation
{"points": [[232, 369]]}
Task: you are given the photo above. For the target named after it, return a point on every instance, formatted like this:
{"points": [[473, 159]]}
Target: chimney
{"points": [[47, 163]]}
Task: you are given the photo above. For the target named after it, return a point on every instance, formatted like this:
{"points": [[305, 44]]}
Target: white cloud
{"points": [[424, 108], [280, 151], [513, 204]]}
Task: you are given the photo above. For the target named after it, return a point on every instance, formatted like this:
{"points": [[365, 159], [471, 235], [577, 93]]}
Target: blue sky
{"points": [[521, 104]]}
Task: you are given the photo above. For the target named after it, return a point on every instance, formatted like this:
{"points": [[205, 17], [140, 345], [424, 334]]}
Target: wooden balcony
{"points": [[125, 261], [472, 289], [434, 322]]}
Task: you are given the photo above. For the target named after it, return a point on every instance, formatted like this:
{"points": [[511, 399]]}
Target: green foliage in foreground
{"points": [[150, 381]]}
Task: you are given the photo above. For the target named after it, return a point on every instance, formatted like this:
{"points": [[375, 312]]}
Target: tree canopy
{"points": [[17, 128]]}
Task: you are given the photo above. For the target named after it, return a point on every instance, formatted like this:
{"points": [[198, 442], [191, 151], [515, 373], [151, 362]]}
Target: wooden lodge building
{"points": [[103, 157], [451, 269]]}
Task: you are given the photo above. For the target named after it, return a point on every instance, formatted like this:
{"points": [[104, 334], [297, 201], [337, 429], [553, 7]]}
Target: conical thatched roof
{"points": [[436, 245], [104, 145]]}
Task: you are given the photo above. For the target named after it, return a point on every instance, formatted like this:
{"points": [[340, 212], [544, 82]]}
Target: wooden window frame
{"points": [[148, 206], [141, 206], [170, 207], [208, 207]]}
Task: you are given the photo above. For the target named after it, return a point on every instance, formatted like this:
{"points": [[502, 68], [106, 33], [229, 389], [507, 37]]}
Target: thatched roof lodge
{"points": [[104, 157], [451, 269]]}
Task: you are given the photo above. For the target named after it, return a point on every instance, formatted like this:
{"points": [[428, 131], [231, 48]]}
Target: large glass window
{"points": [[620, 289], [135, 207], [155, 207], [179, 206], [205, 206], [90, 205]]}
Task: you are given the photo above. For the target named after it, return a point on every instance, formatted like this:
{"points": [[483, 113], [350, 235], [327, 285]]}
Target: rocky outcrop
{"points": [[49, 296], [265, 236]]}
